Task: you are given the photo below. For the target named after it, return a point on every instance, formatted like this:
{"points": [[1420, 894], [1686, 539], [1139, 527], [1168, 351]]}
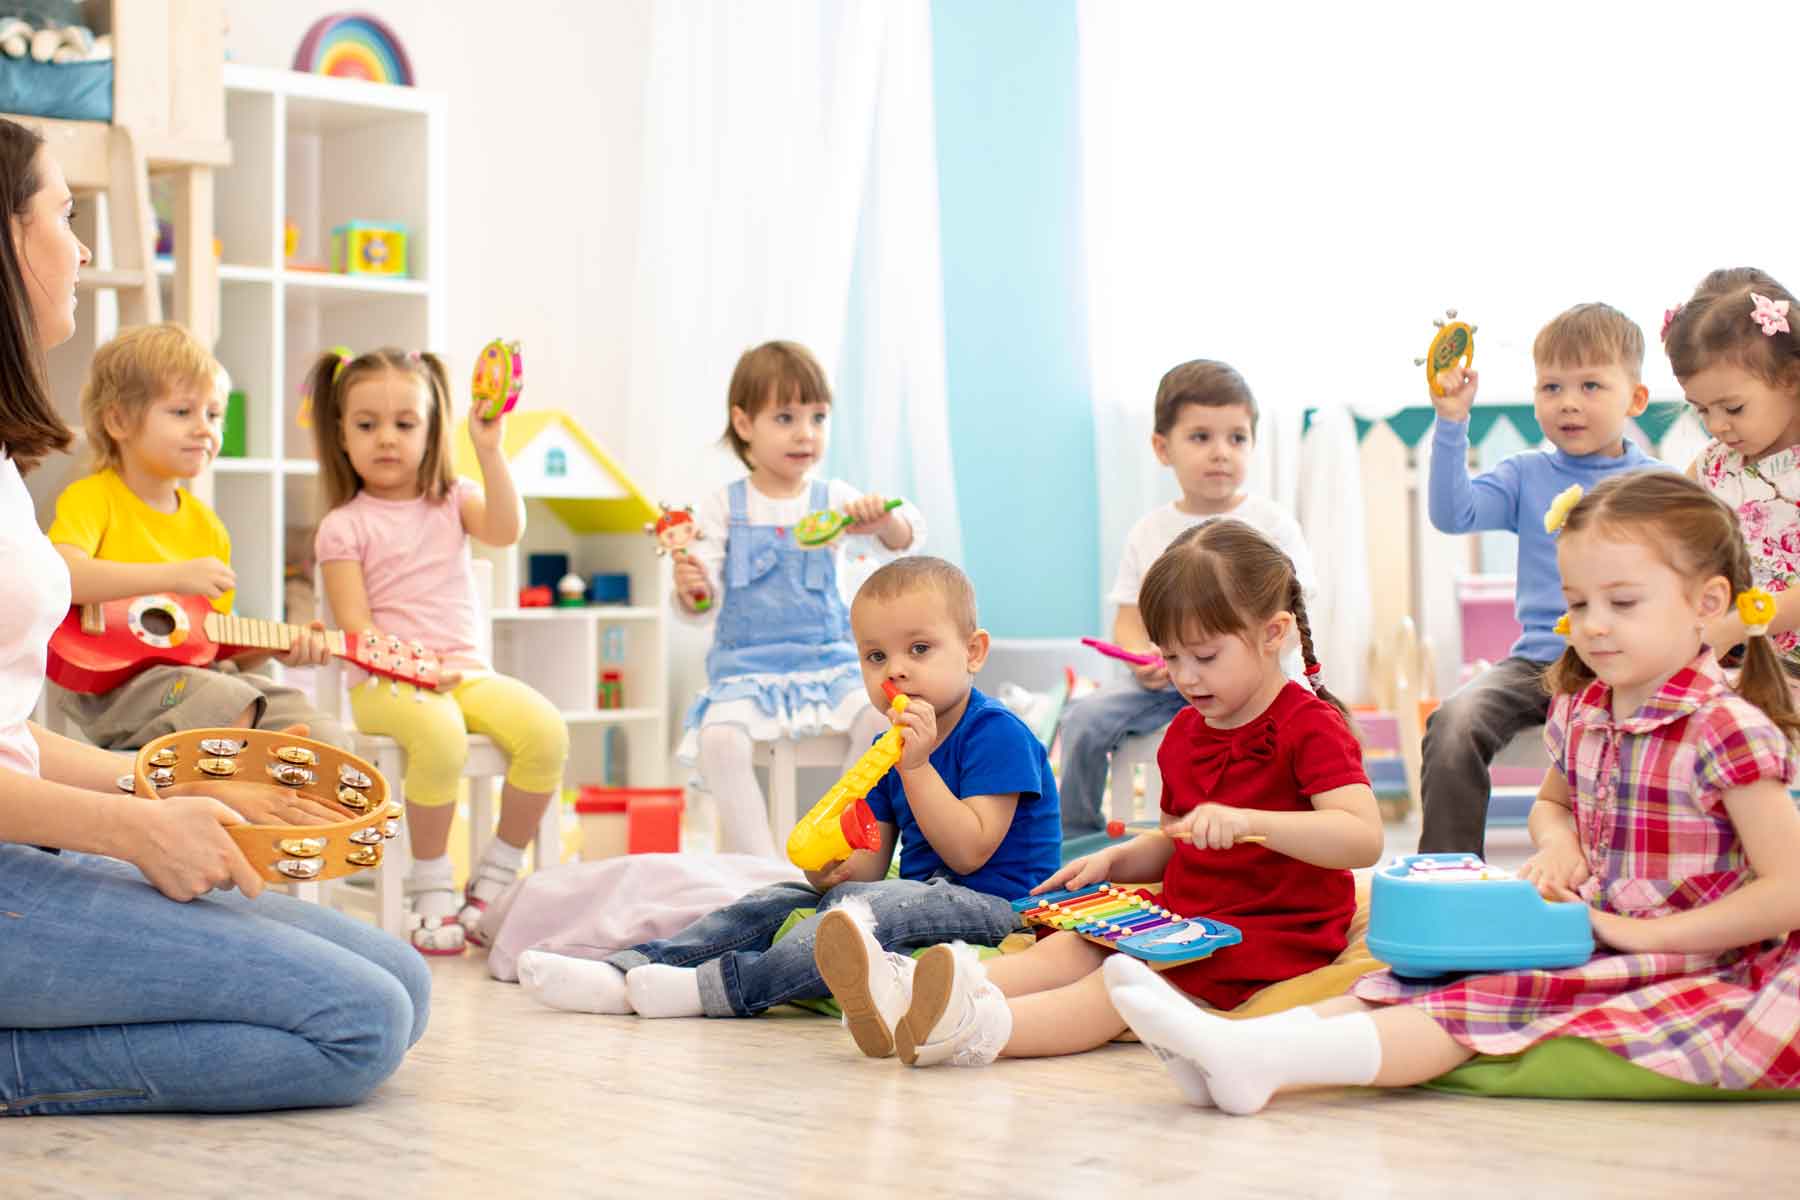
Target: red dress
{"points": [[1295, 916]]}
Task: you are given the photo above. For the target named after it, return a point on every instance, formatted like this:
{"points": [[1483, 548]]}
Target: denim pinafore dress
{"points": [[782, 660]]}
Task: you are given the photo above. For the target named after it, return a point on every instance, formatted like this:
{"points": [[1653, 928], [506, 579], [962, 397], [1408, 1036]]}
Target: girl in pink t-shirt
{"points": [[394, 552]]}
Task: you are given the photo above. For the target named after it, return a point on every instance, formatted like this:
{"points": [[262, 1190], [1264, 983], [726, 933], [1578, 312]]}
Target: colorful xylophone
{"points": [[1130, 922]]}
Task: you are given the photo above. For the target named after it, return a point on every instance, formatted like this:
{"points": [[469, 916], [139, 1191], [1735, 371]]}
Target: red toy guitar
{"points": [[99, 646]]}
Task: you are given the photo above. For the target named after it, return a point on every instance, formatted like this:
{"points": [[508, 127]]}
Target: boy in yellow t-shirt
{"points": [[152, 405]]}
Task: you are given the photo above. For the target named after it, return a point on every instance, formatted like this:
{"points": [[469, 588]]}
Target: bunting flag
{"points": [[1412, 423]]}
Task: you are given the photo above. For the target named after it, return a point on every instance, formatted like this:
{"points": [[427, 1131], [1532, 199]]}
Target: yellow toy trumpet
{"points": [[842, 820]]}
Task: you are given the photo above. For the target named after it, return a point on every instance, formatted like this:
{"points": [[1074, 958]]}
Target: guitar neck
{"points": [[249, 633]]}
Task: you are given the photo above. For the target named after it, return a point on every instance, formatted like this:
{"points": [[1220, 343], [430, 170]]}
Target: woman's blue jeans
{"points": [[115, 999]]}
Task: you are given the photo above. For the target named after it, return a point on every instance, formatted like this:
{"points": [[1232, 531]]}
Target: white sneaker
{"points": [[956, 1015], [873, 986]]}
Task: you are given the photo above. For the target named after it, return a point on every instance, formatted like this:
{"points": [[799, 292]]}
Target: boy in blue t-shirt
{"points": [[972, 803]]}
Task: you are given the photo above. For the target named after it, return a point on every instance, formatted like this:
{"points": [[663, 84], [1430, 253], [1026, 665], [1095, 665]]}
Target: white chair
{"points": [[1137, 750], [784, 757], [486, 764]]}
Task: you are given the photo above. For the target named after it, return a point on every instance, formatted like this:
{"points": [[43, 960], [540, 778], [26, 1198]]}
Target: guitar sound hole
{"points": [[157, 622]]}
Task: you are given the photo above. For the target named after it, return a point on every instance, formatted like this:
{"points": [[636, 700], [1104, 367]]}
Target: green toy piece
{"points": [[823, 527]]}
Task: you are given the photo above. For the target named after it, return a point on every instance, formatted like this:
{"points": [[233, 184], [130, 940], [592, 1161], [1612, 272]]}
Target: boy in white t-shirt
{"points": [[1205, 427]]}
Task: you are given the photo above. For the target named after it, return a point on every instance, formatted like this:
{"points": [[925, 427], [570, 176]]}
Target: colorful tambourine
{"points": [[499, 378], [1454, 342]]}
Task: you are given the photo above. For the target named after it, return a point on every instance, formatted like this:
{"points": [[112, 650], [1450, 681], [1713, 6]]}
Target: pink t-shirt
{"points": [[34, 597], [415, 564]]}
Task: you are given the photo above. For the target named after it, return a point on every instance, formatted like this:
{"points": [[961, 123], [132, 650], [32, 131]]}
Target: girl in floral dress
{"points": [[1736, 355], [1667, 812]]}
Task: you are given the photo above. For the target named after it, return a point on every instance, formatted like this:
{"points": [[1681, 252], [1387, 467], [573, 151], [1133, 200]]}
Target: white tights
{"points": [[743, 813]]}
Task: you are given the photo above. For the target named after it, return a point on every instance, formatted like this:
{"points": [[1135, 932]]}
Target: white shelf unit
{"points": [[318, 151], [560, 651]]}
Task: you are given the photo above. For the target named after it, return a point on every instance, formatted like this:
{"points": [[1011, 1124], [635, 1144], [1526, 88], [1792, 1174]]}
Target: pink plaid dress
{"points": [[1649, 810]]}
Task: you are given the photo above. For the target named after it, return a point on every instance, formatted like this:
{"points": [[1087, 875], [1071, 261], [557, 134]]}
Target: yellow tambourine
{"points": [[216, 762], [1454, 341]]}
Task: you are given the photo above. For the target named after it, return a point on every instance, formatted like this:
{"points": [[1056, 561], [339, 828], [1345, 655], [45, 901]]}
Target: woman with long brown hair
{"points": [[140, 969]]}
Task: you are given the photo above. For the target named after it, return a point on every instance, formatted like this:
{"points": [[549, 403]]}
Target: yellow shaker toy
{"points": [[842, 821]]}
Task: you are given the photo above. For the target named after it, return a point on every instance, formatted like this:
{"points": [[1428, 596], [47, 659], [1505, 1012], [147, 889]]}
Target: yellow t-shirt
{"points": [[104, 518]]}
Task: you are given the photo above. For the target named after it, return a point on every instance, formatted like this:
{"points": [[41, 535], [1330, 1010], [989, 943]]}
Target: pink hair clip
{"points": [[412, 356], [1770, 314], [1669, 315]]}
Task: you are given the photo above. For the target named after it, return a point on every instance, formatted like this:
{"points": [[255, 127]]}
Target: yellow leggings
{"points": [[434, 729]]}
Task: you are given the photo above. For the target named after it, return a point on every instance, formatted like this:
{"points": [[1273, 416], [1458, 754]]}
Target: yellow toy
{"points": [[369, 248], [842, 820], [1454, 340]]}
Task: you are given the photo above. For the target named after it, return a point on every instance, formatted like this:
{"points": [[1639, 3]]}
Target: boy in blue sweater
{"points": [[972, 805], [1589, 365]]}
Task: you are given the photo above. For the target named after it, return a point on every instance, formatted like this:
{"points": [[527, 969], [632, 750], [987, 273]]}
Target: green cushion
{"points": [[828, 1006], [1574, 1069]]}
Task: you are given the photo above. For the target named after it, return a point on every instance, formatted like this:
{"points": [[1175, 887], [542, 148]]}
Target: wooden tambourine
{"points": [[198, 761]]}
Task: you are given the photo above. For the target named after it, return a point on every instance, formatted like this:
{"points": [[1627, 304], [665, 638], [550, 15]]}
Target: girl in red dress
{"points": [[1667, 811], [1253, 754]]}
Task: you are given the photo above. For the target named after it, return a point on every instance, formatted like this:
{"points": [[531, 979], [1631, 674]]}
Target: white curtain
{"points": [[783, 140], [1331, 483], [1300, 189]]}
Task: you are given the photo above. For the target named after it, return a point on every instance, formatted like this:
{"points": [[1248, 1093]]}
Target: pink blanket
{"points": [[590, 909]]}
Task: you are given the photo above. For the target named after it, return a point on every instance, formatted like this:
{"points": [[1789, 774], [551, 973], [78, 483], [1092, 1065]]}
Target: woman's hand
{"points": [[180, 845], [259, 803]]}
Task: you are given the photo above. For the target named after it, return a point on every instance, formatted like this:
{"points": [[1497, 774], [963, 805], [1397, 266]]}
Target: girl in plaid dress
{"points": [[1667, 811]]}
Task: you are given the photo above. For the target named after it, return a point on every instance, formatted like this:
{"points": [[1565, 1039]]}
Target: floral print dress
{"points": [[1766, 497]]}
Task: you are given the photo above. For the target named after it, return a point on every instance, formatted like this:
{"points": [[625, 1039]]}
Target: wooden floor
{"points": [[504, 1098]]}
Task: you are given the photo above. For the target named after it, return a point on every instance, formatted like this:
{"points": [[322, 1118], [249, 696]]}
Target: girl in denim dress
{"points": [[782, 663]]}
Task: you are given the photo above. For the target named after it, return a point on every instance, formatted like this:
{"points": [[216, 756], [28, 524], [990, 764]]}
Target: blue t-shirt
{"points": [[1514, 496], [989, 753]]}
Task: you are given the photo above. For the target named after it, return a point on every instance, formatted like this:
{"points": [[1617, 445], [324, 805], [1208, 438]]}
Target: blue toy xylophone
{"points": [[1440, 914], [1130, 922]]}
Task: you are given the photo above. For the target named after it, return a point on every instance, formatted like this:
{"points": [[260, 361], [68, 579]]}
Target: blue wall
{"points": [[1015, 310]]}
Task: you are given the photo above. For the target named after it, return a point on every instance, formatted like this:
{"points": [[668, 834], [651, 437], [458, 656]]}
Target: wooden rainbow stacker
{"points": [[1130, 922]]}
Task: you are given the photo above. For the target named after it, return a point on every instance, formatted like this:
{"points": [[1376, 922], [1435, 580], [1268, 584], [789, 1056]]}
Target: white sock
{"points": [[1186, 1073], [743, 813], [431, 886], [658, 990], [1246, 1062], [573, 984], [499, 866]]}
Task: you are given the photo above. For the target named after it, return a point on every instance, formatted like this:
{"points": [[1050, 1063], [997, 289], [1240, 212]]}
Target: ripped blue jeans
{"points": [[744, 971]]}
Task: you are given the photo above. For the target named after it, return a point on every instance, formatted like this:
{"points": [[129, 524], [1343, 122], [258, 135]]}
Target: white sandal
{"points": [[435, 936]]}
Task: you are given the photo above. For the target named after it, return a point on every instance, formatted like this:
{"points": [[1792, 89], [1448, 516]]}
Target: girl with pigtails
{"points": [[394, 553]]}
